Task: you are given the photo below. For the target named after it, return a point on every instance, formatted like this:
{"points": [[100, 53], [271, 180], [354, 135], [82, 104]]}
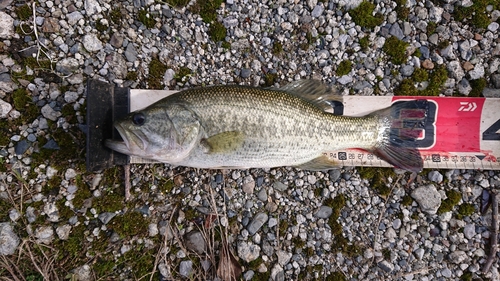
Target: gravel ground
{"points": [[58, 221]]}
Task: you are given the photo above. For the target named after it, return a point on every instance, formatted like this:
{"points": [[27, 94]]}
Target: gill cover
{"points": [[159, 132]]}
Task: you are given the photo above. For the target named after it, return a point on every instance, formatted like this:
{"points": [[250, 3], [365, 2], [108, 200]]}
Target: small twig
{"points": [[494, 235], [38, 43], [126, 169]]}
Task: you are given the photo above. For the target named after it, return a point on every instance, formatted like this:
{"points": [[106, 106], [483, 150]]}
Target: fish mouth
{"points": [[130, 141]]}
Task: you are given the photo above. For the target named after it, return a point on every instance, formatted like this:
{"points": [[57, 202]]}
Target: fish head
{"points": [[162, 133]]}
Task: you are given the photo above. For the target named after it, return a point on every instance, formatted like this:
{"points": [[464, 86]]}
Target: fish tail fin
{"points": [[403, 122]]}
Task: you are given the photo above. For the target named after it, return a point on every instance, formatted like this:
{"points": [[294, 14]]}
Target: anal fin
{"points": [[321, 163]]}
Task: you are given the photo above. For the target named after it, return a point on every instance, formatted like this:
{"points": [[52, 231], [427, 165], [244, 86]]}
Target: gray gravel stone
{"points": [[8, 239], [283, 257], [262, 195], [248, 251], [83, 273], [186, 268], [50, 113], [324, 212], [257, 222], [91, 43], [419, 253], [279, 186], [130, 53], [469, 231], [44, 234], [435, 176], [248, 185], [195, 242], [428, 198], [386, 266], [63, 231], [74, 17], [5, 108], [6, 26], [106, 217], [458, 257]]}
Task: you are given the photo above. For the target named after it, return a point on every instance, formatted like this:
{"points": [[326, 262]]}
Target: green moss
{"points": [[467, 276], [453, 198], [190, 214], [414, 216], [364, 42], [465, 210], [183, 72], [100, 26], [386, 253], [24, 12], [71, 148], [142, 263], [277, 48], [363, 15], [420, 75], [396, 49], [270, 79], [129, 224], [402, 10], [217, 31], [344, 67], [167, 186], [226, 45], [437, 78], [378, 178], [108, 202], [115, 15], [407, 200], [73, 247], [131, 76], [207, 9], [475, 14], [254, 265], [431, 28], [178, 3], [20, 98], [283, 227], [33, 63], [156, 71], [298, 243], [336, 276], [478, 86], [146, 18]]}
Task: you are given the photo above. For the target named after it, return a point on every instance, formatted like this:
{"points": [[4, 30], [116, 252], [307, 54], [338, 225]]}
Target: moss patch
{"points": [[450, 202], [217, 31], [464, 210], [277, 48], [146, 18], [363, 15], [182, 73], [336, 276], [396, 49], [129, 224], [156, 71], [402, 10], [478, 86], [207, 9], [178, 3], [344, 68], [475, 14], [23, 12], [378, 178]]}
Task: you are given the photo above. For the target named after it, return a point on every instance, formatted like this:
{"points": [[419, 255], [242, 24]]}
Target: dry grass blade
{"points": [[494, 235], [229, 269]]}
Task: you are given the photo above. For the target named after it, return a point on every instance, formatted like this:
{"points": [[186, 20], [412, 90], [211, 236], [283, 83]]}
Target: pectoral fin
{"points": [[321, 163], [223, 142]]}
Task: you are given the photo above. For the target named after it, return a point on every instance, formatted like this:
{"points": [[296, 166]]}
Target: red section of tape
{"points": [[454, 124]]}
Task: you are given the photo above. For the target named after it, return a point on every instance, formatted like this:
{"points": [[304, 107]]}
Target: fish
{"points": [[242, 127]]}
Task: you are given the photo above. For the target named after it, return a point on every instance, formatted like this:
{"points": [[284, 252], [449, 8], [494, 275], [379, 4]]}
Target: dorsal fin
{"points": [[314, 91]]}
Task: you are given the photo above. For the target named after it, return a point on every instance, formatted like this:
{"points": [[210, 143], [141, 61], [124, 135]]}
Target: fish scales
{"points": [[280, 129]]}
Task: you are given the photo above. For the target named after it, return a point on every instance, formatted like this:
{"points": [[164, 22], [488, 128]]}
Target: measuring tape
{"points": [[460, 133]]}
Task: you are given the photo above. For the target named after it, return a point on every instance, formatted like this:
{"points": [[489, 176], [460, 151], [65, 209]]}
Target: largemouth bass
{"points": [[247, 127]]}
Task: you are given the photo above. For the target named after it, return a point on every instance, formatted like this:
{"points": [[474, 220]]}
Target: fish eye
{"points": [[138, 119]]}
